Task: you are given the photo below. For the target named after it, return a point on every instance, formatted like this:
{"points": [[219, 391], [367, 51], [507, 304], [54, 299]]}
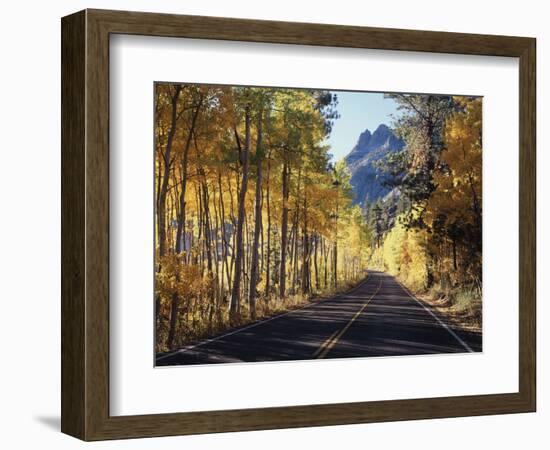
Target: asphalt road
{"points": [[377, 318]]}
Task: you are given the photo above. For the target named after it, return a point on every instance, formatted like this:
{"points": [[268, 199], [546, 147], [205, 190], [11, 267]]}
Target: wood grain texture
{"points": [[85, 224], [97, 225], [527, 224], [73, 109], [152, 24]]}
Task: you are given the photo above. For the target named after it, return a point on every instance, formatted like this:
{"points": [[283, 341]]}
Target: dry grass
{"points": [[461, 306]]}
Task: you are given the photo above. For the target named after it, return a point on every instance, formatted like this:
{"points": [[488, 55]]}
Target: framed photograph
{"points": [[272, 225]]}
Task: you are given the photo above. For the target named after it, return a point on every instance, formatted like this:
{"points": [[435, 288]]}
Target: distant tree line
{"points": [[429, 231]]}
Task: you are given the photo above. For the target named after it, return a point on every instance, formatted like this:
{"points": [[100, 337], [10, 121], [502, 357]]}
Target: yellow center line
{"points": [[324, 344], [333, 339]]}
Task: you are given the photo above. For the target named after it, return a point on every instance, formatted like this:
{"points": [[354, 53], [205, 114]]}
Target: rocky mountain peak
{"points": [[366, 178], [364, 138]]}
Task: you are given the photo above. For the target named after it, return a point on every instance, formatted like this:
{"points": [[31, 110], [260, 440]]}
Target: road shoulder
{"points": [[470, 336]]}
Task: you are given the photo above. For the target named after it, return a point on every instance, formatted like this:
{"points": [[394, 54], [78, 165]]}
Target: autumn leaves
{"points": [[434, 239], [250, 214], [253, 217]]}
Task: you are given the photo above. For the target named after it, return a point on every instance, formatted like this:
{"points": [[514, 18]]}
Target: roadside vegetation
{"points": [[431, 237], [251, 217]]}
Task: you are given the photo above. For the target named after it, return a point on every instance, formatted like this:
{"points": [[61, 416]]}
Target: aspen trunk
{"points": [[181, 224], [235, 293], [257, 224], [268, 257], [184, 163], [161, 207], [284, 231]]}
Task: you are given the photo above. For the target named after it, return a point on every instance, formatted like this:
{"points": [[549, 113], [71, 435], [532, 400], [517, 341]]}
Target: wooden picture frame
{"points": [[85, 224]]}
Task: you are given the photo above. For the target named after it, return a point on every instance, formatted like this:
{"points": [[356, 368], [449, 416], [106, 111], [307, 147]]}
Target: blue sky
{"points": [[358, 111]]}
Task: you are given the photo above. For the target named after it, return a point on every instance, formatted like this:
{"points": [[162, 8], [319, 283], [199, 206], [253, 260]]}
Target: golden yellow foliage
{"points": [[458, 193], [403, 253], [176, 277]]}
